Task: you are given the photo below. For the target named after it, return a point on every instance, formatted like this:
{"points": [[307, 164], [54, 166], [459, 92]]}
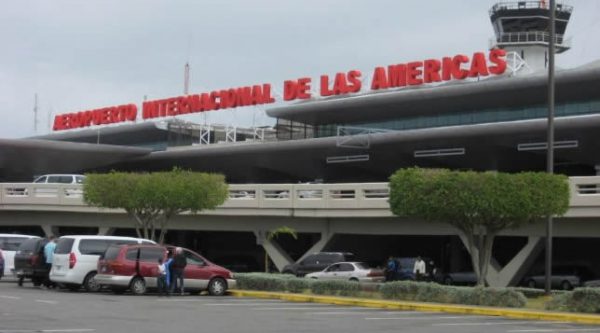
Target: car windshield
{"points": [[28, 245]]}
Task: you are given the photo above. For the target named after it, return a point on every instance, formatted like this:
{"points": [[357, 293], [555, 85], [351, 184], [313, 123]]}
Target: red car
{"points": [[135, 267]]}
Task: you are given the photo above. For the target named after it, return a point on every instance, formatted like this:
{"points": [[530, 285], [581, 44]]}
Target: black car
{"points": [[30, 262], [316, 262]]}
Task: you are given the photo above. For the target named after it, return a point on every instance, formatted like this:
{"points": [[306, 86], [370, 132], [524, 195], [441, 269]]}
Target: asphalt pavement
{"points": [[31, 309]]}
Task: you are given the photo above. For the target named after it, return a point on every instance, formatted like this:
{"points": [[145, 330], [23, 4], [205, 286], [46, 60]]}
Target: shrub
{"points": [[432, 292], [333, 287], [579, 300], [297, 285], [261, 281], [533, 292]]}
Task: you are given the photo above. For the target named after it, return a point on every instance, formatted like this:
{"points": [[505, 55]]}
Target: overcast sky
{"points": [[80, 55]]}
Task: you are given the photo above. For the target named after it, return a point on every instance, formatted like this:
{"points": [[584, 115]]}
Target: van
{"points": [[9, 244], [60, 179], [30, 262], [76, 258], [135, 267]]}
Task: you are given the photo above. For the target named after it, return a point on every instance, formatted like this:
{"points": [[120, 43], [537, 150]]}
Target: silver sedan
{"points": [[349, 271]]}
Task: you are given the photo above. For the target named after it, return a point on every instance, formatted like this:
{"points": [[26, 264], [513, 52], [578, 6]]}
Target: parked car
{"points": [[30, 262], [60, 179], [316, 262], [564, 277], [351, 271], [9, 244], [135, 267], [76, 259], [459, 278]]}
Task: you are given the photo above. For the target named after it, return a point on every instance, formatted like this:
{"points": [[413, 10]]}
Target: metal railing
{"points": [[515, 5], [529, 37], [585, 192]]}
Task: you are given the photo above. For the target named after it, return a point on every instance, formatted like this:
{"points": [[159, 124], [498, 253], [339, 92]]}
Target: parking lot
{"points": [[32, 309]]}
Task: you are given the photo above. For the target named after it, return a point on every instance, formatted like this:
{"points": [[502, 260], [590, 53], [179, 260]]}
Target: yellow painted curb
{"points": [[429, 307]]}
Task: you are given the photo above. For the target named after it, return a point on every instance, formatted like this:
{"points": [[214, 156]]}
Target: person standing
{"points": [[162, 278], [49, 256], [390, 270], [177, 267], [419, 269]]}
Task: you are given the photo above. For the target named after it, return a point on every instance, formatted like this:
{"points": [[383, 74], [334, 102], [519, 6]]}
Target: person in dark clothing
{"points": [[177, 266], [390, 269]]}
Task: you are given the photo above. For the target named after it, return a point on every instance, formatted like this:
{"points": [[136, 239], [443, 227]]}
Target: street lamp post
{"points": [[550, 133]]}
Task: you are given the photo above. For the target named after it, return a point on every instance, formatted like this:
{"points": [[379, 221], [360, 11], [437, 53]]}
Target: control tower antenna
{"points": [[186, 79], [524, 27], [35, 112]]}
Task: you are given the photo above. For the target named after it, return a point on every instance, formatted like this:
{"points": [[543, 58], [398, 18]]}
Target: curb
{"points": [[428, 307]]}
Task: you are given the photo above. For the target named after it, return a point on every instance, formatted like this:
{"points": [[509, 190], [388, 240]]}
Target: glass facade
{"points": [[470, 117]]}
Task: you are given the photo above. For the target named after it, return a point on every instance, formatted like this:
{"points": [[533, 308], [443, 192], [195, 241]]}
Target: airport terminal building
{"points": [[460, 112]]}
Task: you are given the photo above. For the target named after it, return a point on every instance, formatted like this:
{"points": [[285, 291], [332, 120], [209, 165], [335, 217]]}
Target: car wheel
{"points": [[287, 272], [90, 284], [217, 287], [448, 280], [354, 279], [566, 285], [138, 286], [531, 284]]}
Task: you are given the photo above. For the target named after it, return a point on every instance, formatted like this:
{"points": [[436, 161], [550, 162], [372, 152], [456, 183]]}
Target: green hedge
{"points": [[579, 300], [398, 290], [333, 287], [433, 292]]}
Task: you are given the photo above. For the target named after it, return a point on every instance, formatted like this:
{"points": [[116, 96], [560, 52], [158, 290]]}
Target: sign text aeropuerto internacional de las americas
{"points": [[414, 73]]}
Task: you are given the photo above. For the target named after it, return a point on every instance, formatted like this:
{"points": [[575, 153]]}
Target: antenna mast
{"points": [[186, 79]]}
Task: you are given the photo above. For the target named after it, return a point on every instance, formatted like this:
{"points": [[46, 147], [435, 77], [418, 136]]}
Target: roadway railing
{"points": [[585, 193], [291, 196]]}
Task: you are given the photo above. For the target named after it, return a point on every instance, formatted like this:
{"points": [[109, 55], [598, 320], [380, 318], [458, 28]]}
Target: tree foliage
{"points": [[479, 204], [153, 198]]}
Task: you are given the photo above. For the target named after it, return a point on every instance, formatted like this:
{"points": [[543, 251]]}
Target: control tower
{"points": [[523, 27]]}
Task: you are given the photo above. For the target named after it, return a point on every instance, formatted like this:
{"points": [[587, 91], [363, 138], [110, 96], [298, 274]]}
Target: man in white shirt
{"points": [[419, 269]]}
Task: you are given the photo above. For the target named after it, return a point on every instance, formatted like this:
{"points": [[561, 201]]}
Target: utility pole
{"points": [[550, 154]]}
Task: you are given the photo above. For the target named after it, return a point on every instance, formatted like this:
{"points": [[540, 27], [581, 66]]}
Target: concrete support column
{"points": [[320, 245], [50, 230], [513, 271], [105, 231], [279, 257]]}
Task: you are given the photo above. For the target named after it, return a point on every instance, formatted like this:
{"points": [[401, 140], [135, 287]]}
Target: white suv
{"points": [[76, 258], [9, 244]]}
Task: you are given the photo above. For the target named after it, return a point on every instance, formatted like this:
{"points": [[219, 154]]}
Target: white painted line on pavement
{"points": [[415, 317], [357, 312], [557, 330], [54, 330], [288, 308], [234, 304], [46, 301], [501, 323], [9, 297]]}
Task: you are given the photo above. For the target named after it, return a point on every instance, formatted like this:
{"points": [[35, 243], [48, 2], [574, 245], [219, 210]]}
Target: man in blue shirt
{"points": [[49, 255]]}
